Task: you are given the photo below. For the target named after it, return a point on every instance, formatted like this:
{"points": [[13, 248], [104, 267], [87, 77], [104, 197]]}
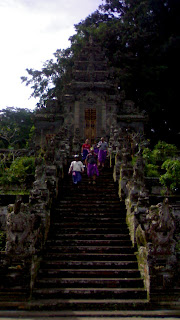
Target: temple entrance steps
{"points": [[89, 268], [89, 263]]}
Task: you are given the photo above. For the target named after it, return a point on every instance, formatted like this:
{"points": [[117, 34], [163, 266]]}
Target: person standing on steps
{"points": [[85, 149], [91, 164], [103, 146], [96, 149], [76, 168]]}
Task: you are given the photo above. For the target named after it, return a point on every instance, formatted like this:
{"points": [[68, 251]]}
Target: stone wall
{"points": [[153, 227], [27, 224]]}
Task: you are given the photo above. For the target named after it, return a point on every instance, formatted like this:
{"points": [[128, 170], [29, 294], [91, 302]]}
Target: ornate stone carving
{"points": [[160, 228]]}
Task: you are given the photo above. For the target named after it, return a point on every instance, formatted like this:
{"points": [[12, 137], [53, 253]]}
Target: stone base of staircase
{"points": [[90, 315], [89, 267]]}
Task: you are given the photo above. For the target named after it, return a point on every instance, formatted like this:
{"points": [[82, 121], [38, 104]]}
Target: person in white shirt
{"points": [[76, 168]]}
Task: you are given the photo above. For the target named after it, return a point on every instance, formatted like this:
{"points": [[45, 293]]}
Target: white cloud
{"points": [[31, 31]]}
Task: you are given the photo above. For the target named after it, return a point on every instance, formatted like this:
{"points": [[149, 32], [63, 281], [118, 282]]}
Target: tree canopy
{"points": [[142, 41], [15, 127]]}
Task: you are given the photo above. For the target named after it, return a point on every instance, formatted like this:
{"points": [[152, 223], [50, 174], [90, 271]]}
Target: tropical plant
{"points": [[15, 125], [171, 178], [162, 162], [18, 172], [151, 170], [161, 151], [142, 41]]}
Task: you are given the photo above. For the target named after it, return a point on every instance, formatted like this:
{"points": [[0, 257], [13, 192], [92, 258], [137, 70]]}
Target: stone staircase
{"points": [[89, 267], [89, 262]]}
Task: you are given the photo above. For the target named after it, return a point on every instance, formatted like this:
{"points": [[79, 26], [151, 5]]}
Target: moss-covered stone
{"points": [[140, 237]]}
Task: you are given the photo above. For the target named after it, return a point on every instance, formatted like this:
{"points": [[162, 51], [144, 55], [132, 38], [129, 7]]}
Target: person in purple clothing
{"points": [[103, 146], [91, 164], [96, 149]]}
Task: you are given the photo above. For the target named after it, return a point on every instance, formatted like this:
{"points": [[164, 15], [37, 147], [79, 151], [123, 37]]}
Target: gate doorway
{"points": [[90, 125]]}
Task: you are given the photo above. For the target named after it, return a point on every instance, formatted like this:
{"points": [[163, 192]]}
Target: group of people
{"points": [[93, 157]]}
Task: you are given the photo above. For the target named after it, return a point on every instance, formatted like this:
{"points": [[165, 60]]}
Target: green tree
{"points": [[142, 42], [157, 160], [48, 82], [18, 172], [15, 126], [148, 53], [171, 178]]}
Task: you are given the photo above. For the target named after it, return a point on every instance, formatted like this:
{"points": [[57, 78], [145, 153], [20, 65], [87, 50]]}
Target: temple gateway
{"points": [[112, 247], [91, 104]]}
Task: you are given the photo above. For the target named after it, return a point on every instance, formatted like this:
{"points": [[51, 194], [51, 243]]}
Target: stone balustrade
{"points": [[27, 224], [152, 226]]}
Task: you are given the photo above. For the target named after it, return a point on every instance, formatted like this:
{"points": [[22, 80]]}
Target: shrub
{"points": [[171, 178], [18, 171], [151, 170], [161, 152]]}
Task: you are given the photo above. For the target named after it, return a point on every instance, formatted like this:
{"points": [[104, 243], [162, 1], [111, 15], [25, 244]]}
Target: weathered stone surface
{"points": [[3, 215], [152, 227]]}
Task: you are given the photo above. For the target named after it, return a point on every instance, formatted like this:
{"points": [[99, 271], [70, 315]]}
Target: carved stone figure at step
{"points": [[20, 232], [160, 228]]}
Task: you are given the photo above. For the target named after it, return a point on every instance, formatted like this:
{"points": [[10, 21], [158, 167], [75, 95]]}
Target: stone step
{"points": [[73, 219], [78, 305], [85, 236], [90, 249], [91, 210], [89, 293], [90, 282], [140, 313], [89, 256], [85, 183], [102, 178], [61, 214], [96, 210], [89, 264], [74, 212], [89, 216], [12, 294], [90, 273], [112, 196], [90, 191], [91, 230], [103, 197], [87, 225], [103, 194], [90, 204], [91, 242]]}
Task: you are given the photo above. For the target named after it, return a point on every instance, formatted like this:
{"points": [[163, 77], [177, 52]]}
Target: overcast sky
{"points": [[30, 32]]}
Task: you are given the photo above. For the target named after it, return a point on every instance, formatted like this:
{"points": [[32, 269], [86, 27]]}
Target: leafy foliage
{"points": [[171, 179], [162, 150], [15, 126], [142, 42], [48, 82], [18, 171], [152, 170], [162, 162]]}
